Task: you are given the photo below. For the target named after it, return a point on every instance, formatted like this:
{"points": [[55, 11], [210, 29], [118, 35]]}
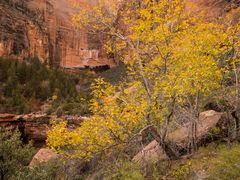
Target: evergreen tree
{"points": [[21, 72], [23, 82]]}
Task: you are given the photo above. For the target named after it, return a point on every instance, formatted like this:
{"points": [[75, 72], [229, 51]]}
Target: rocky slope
{"points": [[43, 28]]}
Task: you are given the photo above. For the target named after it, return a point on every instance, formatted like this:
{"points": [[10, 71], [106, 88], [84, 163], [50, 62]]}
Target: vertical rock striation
{"points": [[21, 32], [43, 28]]}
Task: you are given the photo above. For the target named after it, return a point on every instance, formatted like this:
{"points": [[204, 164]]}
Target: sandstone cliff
{"points": [[21, 32], [43, 28]]}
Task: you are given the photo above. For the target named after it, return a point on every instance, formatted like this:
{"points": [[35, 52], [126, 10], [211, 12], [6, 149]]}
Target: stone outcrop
{"points": [[207, 122], [44, 155], [35, 126], [44, 28]]}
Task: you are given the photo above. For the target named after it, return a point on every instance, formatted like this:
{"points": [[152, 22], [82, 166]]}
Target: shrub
{"points": [[44, 171], [14, 155]]}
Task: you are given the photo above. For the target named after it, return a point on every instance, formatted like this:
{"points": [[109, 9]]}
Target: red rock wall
{"points": [[52, 37], [20, 33]]}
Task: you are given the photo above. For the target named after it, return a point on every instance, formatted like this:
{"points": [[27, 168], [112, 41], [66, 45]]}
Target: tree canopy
{"points": [[174, 57]]}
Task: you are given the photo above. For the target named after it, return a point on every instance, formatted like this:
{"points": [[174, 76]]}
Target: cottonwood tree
{"points": [[172, 56]]}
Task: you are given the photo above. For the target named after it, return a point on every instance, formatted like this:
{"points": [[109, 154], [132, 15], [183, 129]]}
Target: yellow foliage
{"points": [[171, 54], [114, 121]]}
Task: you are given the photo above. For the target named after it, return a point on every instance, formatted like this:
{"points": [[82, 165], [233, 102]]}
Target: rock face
{"points": [[43, 156], [35, 126], [44, 28], [21, 34]]}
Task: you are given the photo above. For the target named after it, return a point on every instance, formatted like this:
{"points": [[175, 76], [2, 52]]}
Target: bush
{"points": [[14, 155], [44, 171]]}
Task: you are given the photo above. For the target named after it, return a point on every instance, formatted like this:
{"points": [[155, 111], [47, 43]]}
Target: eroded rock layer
{"points": [[21, 32], [44, 28], [34, 126]]}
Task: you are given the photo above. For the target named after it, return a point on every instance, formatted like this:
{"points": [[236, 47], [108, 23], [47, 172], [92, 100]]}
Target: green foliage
{"points": [[227, 165], [214, 162], [116, 74], [127, 171], [44, 171], [14, 155], [72, 106], [181, 172], [21, 82], [122, 169]]}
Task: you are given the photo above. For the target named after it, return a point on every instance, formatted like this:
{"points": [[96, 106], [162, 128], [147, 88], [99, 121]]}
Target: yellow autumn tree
{"points": [[172, 56], [116, 117]]}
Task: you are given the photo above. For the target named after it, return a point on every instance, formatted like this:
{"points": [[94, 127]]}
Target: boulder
{"points": [[207, 121], [151, 153], [44, 155]]}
